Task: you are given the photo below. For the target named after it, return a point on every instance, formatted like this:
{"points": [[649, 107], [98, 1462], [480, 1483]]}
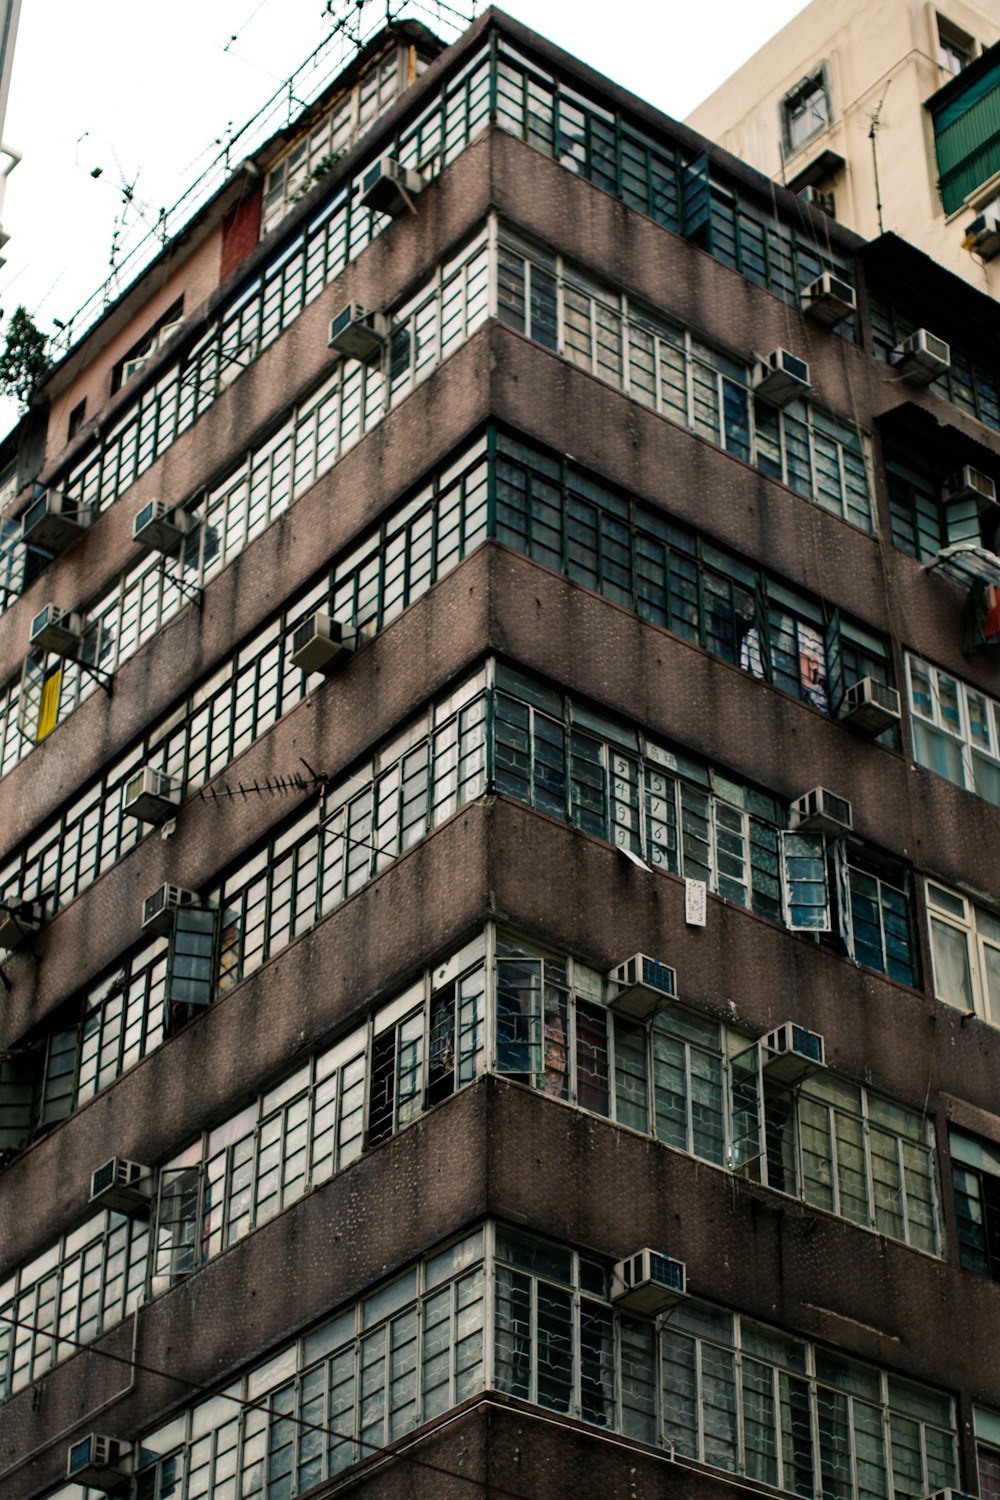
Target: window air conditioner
{"points": [[52, 523], [640, 987], [825, 203], [18, 923], [151, 796], [158, 909], [921, 357], [161, 527], [319, 643], [388, 188], [357, 333], [648, 1282], [780, 378], [870, 706], [983, 234], [125, 1186], [820, 811], [790, 1053], [56, 630], [969, 484], [829, 300], [98, 1461]]}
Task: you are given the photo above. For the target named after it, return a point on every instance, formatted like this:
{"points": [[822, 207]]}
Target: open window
{"points": [[142, 350], [805, 111], [192, 964]]}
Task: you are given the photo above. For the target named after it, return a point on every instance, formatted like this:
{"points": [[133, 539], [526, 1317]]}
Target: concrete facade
{"points": [[235, 1300]]}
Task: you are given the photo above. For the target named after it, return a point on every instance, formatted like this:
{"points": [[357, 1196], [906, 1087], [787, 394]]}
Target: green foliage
{"points": [[23, 361]]}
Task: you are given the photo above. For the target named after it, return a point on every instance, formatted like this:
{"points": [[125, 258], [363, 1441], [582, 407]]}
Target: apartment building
{"points": [[884, 117], [499, 754]]}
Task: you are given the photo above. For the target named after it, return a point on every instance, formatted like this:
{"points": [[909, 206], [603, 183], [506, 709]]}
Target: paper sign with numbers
{"points": [[694, 902]]}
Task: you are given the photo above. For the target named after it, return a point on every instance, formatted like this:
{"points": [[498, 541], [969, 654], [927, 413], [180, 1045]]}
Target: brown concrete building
{"points": [[506, 542]]}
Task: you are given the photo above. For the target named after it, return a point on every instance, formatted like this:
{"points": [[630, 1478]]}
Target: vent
{"points": [[648, 1282], [829, 300], [125, 1186], [640, 987], [820, 811], [151, 796], [56, 630], [158, 909], [780, 378], [53, 523], [357, 333], [921, 357], [388, 188], [791, 1053], [19, 922], [870, 707], [319, 642], [98, 1461], [161, 527]]}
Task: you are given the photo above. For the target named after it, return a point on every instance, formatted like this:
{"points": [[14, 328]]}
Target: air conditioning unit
{"points": [[969, 484], [19, 922], [824, 203], [921, 357], [640, 987], [648, 1282], [125, 1186], [319, 642], [791, 1052], [870, 706], [98, 1461], [56, 630], [820, 811], [780, 378], [983, 234], [52, 523], [158, 909], [151, 796], [829, 300], [388, 188], [161, 527], [357, 333]]}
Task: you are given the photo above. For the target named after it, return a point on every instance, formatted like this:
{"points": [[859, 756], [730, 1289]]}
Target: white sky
{"points": [[145, 90]]}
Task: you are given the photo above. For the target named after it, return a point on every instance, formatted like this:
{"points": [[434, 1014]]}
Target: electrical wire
{"points": [[245, 1404]]}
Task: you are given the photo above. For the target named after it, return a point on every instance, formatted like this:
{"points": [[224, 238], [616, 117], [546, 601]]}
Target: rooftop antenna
{"points": [[273, 785], [876, 120]]}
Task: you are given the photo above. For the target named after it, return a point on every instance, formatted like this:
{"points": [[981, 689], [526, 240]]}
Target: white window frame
{"points": [[963, 736], [977, 946]]}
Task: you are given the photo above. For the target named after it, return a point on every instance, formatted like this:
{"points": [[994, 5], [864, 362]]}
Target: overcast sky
{"points": [[145, 91]]}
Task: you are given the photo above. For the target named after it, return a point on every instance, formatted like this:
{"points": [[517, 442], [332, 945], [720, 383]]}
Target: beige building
{"points": [[802, 111]]}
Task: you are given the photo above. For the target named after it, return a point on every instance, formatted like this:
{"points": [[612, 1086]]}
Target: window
{"points": [[987, 1429], [77, 417], [965, 950], [805, 111], [166, 325], [956, 49], [705, 1090], [956, 729], [77, 1288], [975, 1177], [838, 1147], [665, 367]]}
